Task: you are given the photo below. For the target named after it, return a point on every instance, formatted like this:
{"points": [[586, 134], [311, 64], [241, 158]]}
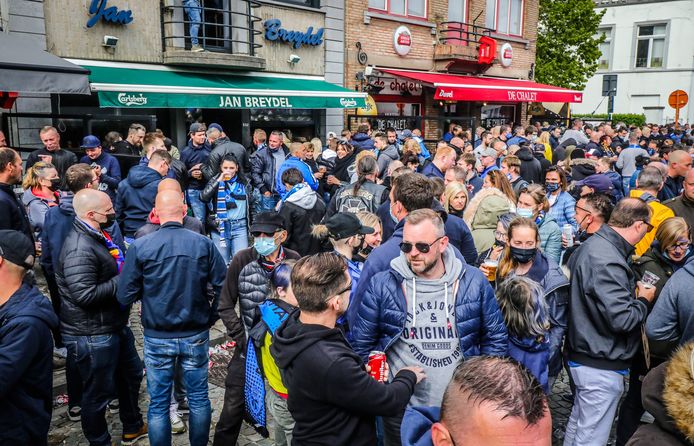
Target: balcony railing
{"points": [[461, 33], [225, 26]]}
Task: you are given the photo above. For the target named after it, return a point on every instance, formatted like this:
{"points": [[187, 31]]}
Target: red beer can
{"points": [[377, 363]]}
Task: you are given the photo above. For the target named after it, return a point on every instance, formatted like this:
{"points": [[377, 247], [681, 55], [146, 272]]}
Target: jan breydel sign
{"points": [[125, 99]]}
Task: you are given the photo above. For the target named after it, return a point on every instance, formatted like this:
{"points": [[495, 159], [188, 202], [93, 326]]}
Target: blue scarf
{"points": [[296, 188], [227, 192]]}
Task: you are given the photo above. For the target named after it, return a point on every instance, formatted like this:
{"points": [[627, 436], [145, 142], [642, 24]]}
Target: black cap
{"points": [[343, 225], [16, 248], [267, 222]]}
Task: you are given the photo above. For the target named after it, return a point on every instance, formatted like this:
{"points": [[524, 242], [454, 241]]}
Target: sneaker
{"points": [[177, 424], [183, 407], [128, 439], [114, 406], [196, 49], [74, 413]]}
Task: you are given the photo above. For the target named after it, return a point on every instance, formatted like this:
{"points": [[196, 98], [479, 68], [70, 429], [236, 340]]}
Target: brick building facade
{"points": [[369, 29]]}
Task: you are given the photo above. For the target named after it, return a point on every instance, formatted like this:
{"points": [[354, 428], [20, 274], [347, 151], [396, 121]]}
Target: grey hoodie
{"points": [[429, 339], [304, 198], [672, 318], [385, 157]]}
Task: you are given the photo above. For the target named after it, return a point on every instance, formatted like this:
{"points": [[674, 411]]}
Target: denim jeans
{"points": [[238, 240], [263, 203], [161, 355], [108, 365], [192, 9], [196, 205], [625, 185]]}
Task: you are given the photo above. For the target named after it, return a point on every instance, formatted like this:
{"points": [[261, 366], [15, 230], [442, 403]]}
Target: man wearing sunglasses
{"points": [[607, 308], [592, 211], [246, 283], [331, 397], [430, 309]]}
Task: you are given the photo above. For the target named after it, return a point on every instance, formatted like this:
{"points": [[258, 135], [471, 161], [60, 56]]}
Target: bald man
{"points": [[153, 223], [91, 320], [679, 164], [182, 272]]}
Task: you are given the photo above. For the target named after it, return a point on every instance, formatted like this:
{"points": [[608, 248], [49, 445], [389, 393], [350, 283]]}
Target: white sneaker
{"points": [[177, 424], [196, 49]]}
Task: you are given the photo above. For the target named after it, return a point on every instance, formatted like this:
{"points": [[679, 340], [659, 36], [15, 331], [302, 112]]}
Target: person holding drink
{"points": [[667, 254], [522, 257], [228, 197]]}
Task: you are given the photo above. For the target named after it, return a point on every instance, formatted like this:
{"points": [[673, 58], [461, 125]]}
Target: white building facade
{"points": [[649, 46]]}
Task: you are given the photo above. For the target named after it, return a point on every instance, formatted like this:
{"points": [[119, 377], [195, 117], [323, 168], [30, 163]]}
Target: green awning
{"points": [[143, 88]]}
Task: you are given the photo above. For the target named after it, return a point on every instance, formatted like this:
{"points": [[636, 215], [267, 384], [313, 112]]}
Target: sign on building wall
{"points": [[99, 10], [275, 32], [506, 55], [402, 40]]}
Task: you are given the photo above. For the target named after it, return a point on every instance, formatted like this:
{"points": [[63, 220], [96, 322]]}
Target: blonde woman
{"points": [[544, 140], [41, 192], [455, 198], [371, 241]]}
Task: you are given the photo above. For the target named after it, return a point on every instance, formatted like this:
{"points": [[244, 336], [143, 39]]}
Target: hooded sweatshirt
{"points": [[26, 367], [330, 396], [135, 198], [301, 209], [429, 339]]}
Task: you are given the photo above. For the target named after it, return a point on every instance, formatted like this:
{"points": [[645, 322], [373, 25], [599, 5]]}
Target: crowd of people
{"points": [[378, 289]]}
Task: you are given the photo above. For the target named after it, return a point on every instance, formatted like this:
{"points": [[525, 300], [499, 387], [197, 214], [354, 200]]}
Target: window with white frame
{"points": [[505, 16], [650, 45], [415, 8], [605, 48]]}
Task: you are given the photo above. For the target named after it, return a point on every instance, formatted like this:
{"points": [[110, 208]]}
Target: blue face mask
{"points": [[390, 211], [551, 187], [264, 245], [508, 175], [525, 213], [509, 135]]}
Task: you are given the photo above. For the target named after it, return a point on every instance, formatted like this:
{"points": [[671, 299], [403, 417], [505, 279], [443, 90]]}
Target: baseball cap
{"points": [[488, 152], [214, 125], [345, 224], [598, 182], [197, 127], [90, 142], [267, 222], [332, 135], [405, 134], [16, 248]]}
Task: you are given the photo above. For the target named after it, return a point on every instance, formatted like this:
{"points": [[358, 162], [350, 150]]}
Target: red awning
{"points": [[453, 87]]}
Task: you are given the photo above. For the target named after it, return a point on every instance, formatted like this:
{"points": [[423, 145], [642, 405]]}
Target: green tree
{"points": [[567, 46]]}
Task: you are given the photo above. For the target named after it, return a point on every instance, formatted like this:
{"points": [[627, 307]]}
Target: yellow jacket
{"points": [[660, 214]]}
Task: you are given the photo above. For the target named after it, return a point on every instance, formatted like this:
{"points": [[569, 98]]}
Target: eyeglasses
{"points": [[579, 208], [500, 235], [422, 247], [650, 226], [344, 290], [682, 246]]}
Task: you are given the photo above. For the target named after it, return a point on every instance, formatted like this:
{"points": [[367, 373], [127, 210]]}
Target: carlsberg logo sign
{"points": [[348, 102], [131, 99]]}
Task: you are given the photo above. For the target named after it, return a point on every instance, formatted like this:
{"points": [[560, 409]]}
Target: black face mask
{"points": [[500, 243], [522, 255], [110, 218], [55, 184]]}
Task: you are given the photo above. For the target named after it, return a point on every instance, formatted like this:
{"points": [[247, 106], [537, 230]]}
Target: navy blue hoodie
{"points": [[135, 198], [26, 367]]}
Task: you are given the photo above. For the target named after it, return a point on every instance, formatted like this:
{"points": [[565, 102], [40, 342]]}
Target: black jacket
{"points": [[530, 168], [61, 159], [13, 215], [299, 217], [87, 277], [331, 397], [604, 317], [26, 367], [263, 169], [220, 148], [681, 206], [544, 164]]}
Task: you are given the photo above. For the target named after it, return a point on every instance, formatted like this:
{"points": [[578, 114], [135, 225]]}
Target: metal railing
{"points": [[461, 33], [226, 29]]}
